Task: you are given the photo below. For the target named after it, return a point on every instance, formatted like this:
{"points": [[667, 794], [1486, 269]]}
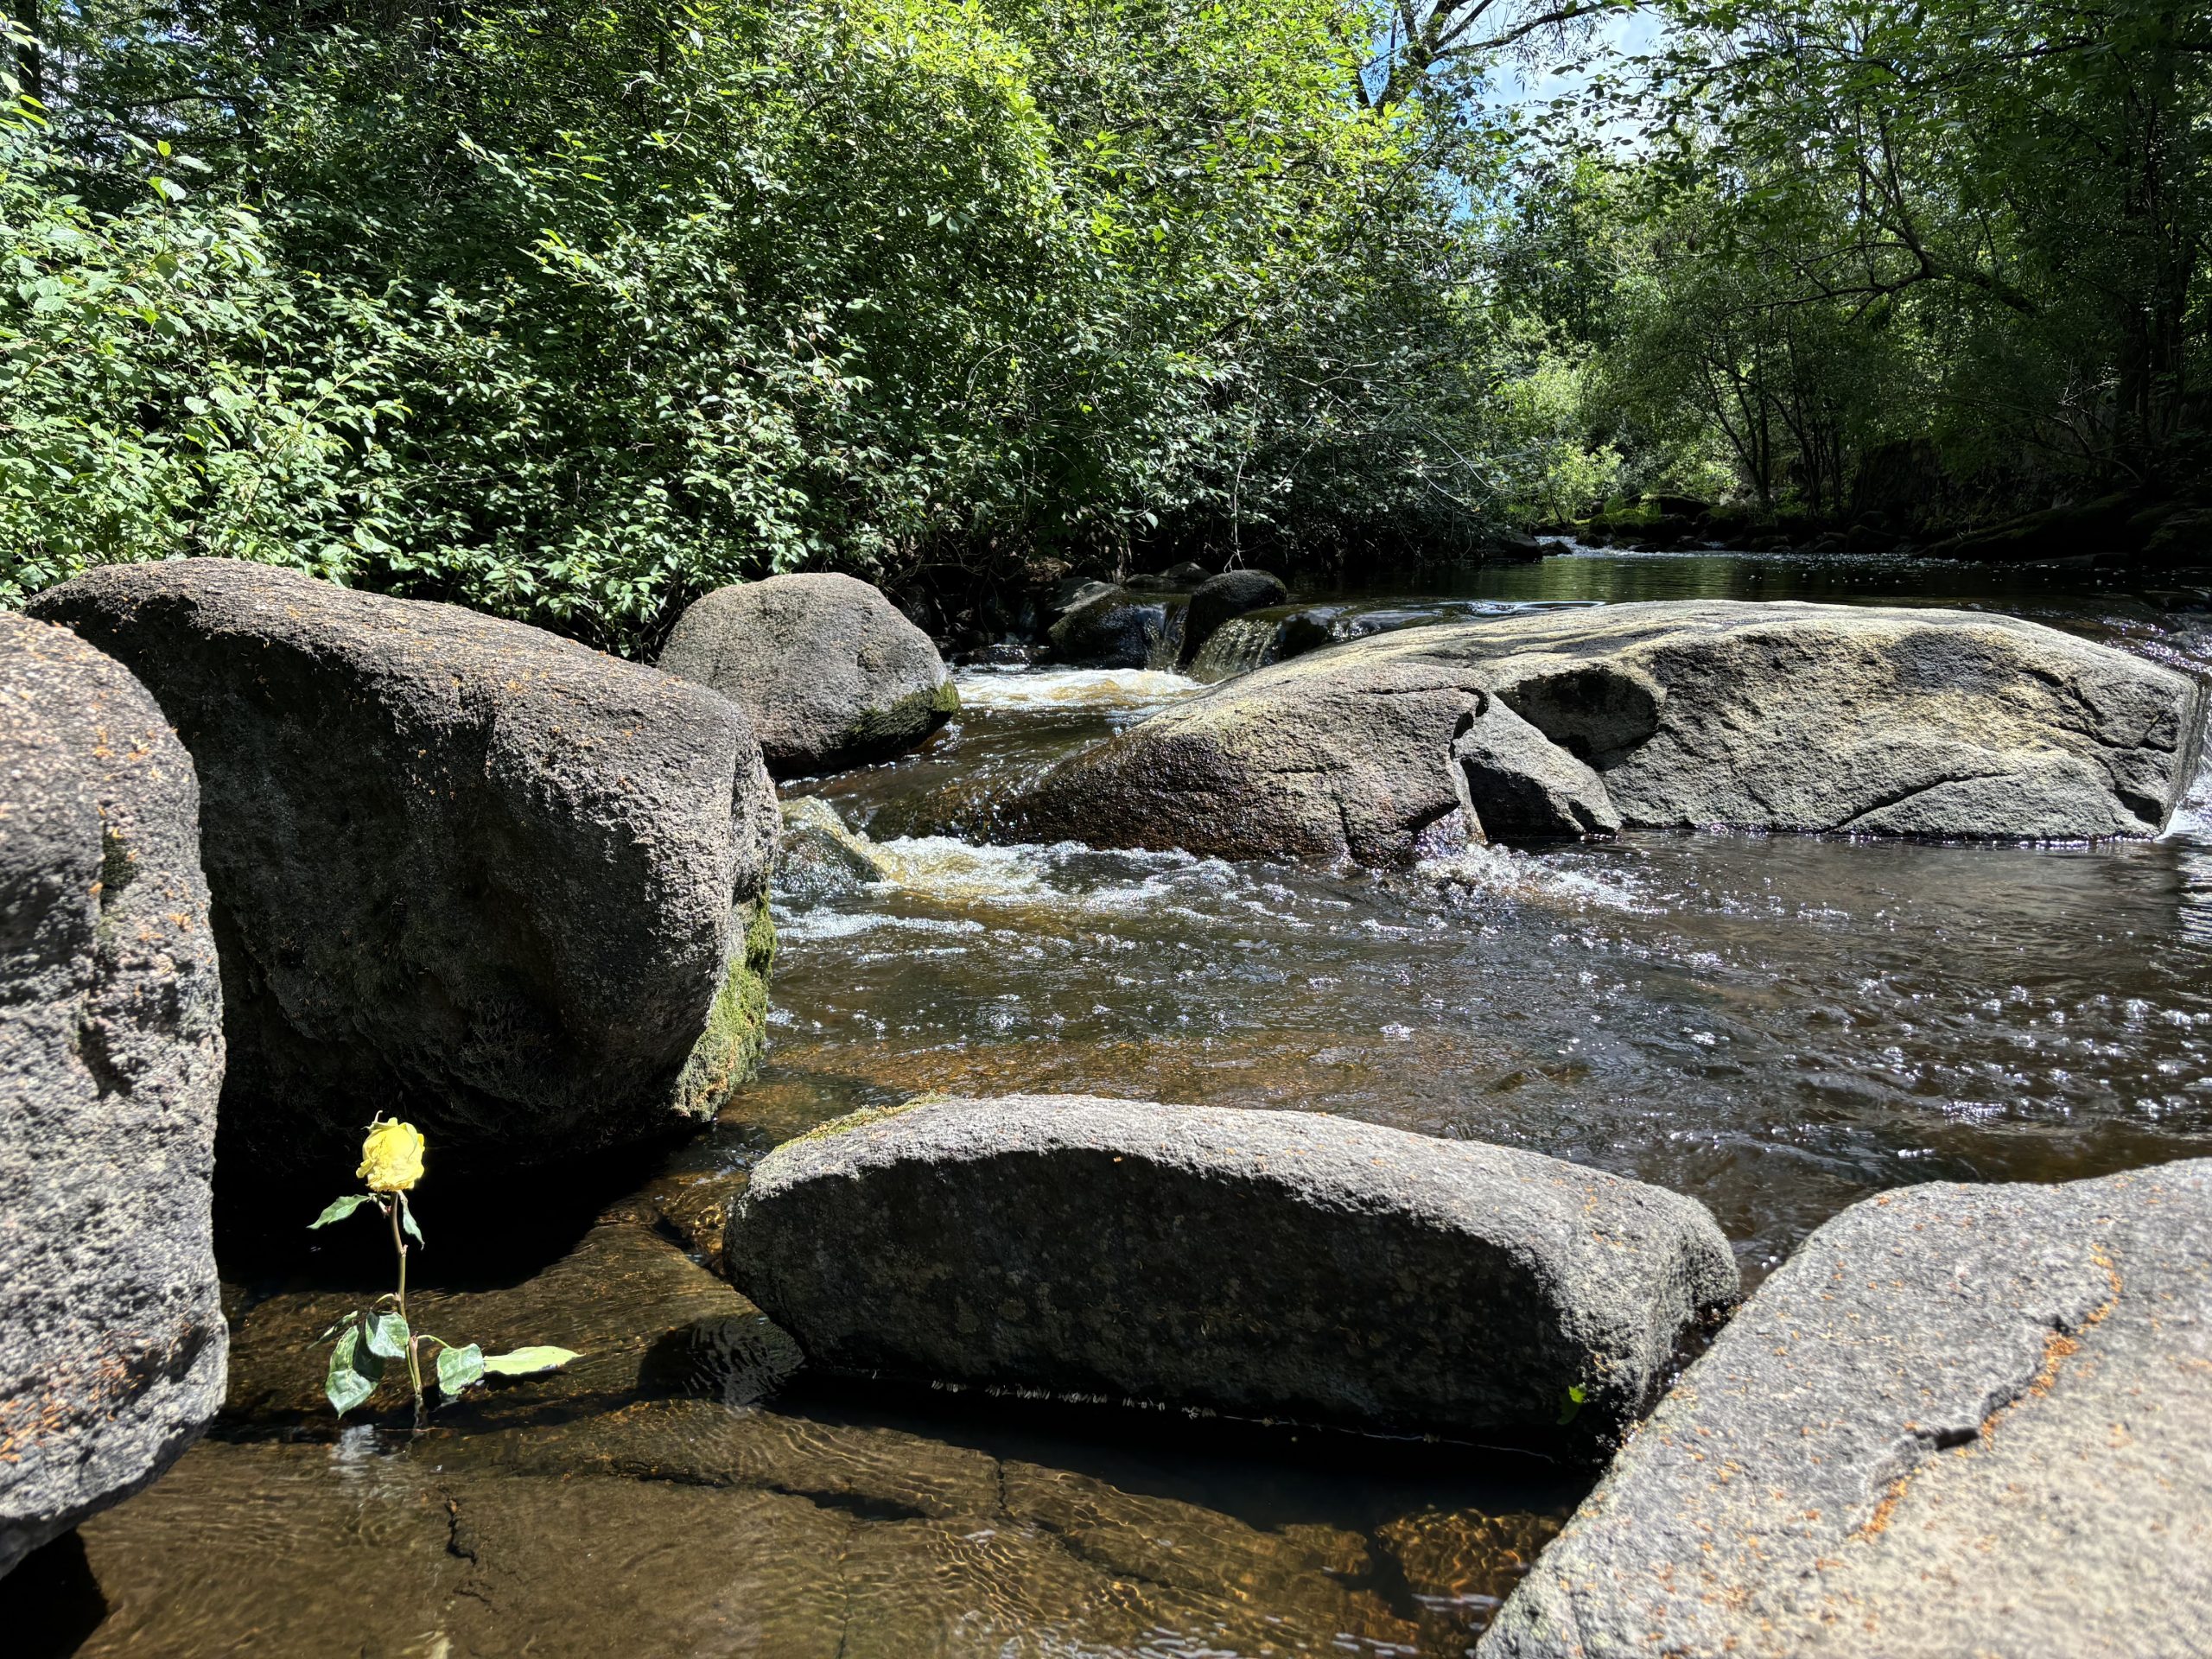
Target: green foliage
{"points": [[570, 310], [459, 1369], [1980, 223], [165, 390], [340, 1208], [393, 1157], [354, 1370], [1571, 1407]]}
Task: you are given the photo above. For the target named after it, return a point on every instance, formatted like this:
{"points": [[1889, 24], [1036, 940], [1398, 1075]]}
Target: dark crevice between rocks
{"points": [[859, 1506], [456, 1539], [1597, 712], [490, 1226], [845, 1590]]}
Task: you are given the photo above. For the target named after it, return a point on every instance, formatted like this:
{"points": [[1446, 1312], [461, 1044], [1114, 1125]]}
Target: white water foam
{"points": [[1504, 872], [1036, 689]]}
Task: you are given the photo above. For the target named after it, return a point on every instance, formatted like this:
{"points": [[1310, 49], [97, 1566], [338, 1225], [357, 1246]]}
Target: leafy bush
{"points": [[570, 310]]}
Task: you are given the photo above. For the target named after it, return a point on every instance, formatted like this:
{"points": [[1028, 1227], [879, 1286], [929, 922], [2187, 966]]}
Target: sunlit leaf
{"points": [[458, 1368], [353, 1372], [340, 1209], [386, 1336], [529, 1361]]}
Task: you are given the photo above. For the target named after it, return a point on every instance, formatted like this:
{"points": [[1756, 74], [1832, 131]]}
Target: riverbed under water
{"points": [[1778, 1026]]}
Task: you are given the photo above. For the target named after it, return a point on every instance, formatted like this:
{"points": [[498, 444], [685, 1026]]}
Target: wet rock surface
{"points": [[1108, 627], [1230, 594], [463, 871], [1273, 1264], [821, 854], [828, 672], [1773, 716], [112, 1336], [1960, 1419]]}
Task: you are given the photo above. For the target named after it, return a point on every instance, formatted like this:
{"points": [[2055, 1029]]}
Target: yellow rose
{"points": [[391, 1157]]}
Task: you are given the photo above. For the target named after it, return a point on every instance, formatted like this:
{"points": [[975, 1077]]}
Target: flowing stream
{"points": [[1777, 1024]]}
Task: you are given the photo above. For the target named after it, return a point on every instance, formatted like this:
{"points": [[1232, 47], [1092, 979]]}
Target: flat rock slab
{"points": [[1960, 1419], [828, 672], [464, 871], [111, 1333], [1683, 715], [1278, 1264]]}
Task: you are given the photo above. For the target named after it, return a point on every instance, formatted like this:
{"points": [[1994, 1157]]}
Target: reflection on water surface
{"points": [[1777, 1024]]}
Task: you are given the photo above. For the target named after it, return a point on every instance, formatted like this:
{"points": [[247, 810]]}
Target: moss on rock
{"points": [[728, 1052]]}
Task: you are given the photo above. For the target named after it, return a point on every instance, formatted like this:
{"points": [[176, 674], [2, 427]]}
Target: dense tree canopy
{"points": [[570, 309], [1978, 224]]}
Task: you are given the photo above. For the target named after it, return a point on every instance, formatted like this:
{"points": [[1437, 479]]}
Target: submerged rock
{"points": [[464, 871], [111, 1335], [828, 672], [1960, 1419], [1688, 714], [1264, 1263], [1229, 595], [1110, 628], [821, 855]]}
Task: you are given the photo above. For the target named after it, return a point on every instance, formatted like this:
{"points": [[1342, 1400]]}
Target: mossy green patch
{"points": [[728, 1052], [866, 1117], [902, 723]]}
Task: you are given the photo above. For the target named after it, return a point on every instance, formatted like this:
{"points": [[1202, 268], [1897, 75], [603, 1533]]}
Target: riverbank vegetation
{"points": [[569, 309]]}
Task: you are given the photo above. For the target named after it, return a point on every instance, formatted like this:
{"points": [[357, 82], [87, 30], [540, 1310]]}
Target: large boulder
{"points": [[1109, 627], [1960, 1419], [828, 672], [464, 871], [112, 1334], [1230, 594], [1264, 1263], [1670, 714]]}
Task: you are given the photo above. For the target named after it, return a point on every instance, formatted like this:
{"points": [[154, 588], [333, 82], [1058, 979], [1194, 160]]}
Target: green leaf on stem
{"points": [[459, 1367], [386, 1335], [529, 1361], [354, 1373], [407, 1220], [342, 1208]]}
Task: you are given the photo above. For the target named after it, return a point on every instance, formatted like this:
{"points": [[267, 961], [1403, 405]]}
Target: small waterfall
{"points": [[1237, 646], [1168, 642]]}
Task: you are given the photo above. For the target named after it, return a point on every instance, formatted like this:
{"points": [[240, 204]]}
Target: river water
{"points": [[1779, 1026]]}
